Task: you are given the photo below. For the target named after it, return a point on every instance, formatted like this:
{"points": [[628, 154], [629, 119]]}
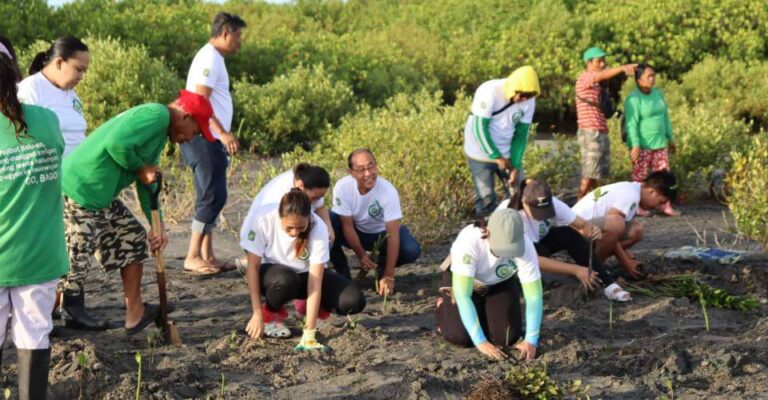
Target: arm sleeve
{"points": [[534, 310], [519, 141], [632, 121], [205, 71], [26, 93], [462, 292], [667, 122], [392, 209], [483, 136], [341, 204]]}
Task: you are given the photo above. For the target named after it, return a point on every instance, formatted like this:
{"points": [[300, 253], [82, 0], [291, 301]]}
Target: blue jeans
{"points": [[209, 164], [485, 188], [409, 247]]}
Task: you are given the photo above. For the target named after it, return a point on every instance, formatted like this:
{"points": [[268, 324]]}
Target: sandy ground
{"points": [[399, 355]]}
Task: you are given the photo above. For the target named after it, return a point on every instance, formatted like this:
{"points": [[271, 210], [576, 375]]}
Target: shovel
{"points": [[170, 331]]}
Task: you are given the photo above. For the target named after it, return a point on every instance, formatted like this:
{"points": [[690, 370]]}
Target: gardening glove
{"points": [[308, 341]]}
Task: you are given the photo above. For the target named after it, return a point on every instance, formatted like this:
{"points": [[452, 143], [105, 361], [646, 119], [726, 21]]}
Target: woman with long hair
{"points": [[33, 254], [287, 248]]}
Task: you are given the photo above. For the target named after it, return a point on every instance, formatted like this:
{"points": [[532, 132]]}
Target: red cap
{"points": [[201, 110]]}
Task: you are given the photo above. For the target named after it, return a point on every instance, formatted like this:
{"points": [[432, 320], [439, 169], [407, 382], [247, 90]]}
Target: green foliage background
{"points": [[397, 75]]}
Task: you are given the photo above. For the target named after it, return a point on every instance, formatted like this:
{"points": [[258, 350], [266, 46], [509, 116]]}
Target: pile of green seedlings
{"points": [[692, 287], [529, 383]]}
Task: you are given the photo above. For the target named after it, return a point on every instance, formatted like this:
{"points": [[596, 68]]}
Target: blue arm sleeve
{"points": [[534, 310], [462, 292]]}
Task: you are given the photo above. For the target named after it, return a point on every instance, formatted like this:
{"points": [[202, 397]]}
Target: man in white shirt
{"points": [[208, 76], [613, 207], [366, 216]]}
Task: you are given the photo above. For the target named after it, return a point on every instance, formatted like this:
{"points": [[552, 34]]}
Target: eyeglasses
{"points": [[362, 170]]}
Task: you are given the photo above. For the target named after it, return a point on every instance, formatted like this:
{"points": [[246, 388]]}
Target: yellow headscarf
{"points": [[523, 79]]}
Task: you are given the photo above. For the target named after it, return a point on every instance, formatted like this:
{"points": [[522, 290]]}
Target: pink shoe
{"points": [[274, 316], [301, 308], [667, 209], [641, 212]]}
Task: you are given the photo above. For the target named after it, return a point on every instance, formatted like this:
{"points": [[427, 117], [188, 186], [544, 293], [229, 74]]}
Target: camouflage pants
{"points": [[595, 154], [112, 236]]}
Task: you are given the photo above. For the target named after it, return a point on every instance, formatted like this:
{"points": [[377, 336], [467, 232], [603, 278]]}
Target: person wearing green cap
{"points": [[593, 128], [496, 132], [480, 295]]}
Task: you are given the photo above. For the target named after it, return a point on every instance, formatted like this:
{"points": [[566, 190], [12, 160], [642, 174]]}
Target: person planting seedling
{"points": [[484, 308], [615, 208], [287, 248]]}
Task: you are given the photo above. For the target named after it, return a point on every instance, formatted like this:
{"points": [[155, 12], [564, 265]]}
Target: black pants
{"points": [[281, 284], [498, 311], [566, 238]]}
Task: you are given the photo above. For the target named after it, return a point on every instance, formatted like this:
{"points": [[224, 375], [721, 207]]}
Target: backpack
{"points": [[604, 103]]}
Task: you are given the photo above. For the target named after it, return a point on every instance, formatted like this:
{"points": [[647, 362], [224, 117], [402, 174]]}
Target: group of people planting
{"points": [[60, 208]]}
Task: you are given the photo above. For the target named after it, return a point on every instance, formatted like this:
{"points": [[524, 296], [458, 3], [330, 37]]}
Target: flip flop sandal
{"points": [[616, 293], [151, 312], [202, 273], [277, 330]]}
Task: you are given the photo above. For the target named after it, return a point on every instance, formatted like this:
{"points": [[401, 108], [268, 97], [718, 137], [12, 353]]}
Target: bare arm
{"points": [[387, 281], [323, 213], [588, 281], [586, 228], [314, 287], [255, 326], [227, 139], [609, 73], [353, 241]]}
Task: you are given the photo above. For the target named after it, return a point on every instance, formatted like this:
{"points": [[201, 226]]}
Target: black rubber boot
{"points": [[33, 373], [75, 315]]}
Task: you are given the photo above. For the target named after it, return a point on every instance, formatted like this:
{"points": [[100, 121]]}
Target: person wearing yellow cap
{"points": [[593, 128], [496, 132]]}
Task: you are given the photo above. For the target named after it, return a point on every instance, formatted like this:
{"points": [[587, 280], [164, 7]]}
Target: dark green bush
{"points": [[293, 110]]}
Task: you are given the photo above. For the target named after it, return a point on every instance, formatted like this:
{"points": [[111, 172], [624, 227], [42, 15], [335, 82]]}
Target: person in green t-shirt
{"points": [[649, 130], [32, 248], [124, 150]]}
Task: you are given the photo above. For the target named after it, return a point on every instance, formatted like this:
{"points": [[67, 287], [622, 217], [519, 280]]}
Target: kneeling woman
{"points": [[485, 308], [287, 248]]}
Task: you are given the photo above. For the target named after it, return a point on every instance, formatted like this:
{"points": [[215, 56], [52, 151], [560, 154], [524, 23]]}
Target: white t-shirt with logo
{"points": [[623, 196], [263, 235], [535, 229], [489, 97], [38, 90], [371, 211], [471, 256], [208, 69]]}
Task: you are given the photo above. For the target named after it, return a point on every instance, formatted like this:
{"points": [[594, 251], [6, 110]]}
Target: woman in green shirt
{"points": [[32, 248], [649, 131]]}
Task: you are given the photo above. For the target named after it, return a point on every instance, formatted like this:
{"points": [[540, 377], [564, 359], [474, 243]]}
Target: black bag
{"points": [[604, 103]]}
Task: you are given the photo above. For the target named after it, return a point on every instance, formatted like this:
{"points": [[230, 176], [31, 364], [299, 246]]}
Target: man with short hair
{"points": [[208, 76], [496, 132], [366, 213], [593, 127], [124, 150], [613, 209]]}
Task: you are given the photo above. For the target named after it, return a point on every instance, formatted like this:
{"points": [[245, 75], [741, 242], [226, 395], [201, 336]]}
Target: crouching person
{"points": [[366, 216], [484, 308], [124, 150], [615, 210], [287, 248], [33, 254]]}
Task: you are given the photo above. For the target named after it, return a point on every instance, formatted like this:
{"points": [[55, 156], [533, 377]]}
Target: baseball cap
{"points": [[593, 52], [201, 110], [506, 237], [538, 196]]}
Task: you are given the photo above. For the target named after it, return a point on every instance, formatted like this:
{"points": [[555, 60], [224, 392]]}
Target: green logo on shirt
{"points": [[483, 105], [633, 206], [78, 106], [506, 269], [467, 259], [338, 201], [304, 254], [517, 116], [206, 72], [251, 235], [375, 210]]}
